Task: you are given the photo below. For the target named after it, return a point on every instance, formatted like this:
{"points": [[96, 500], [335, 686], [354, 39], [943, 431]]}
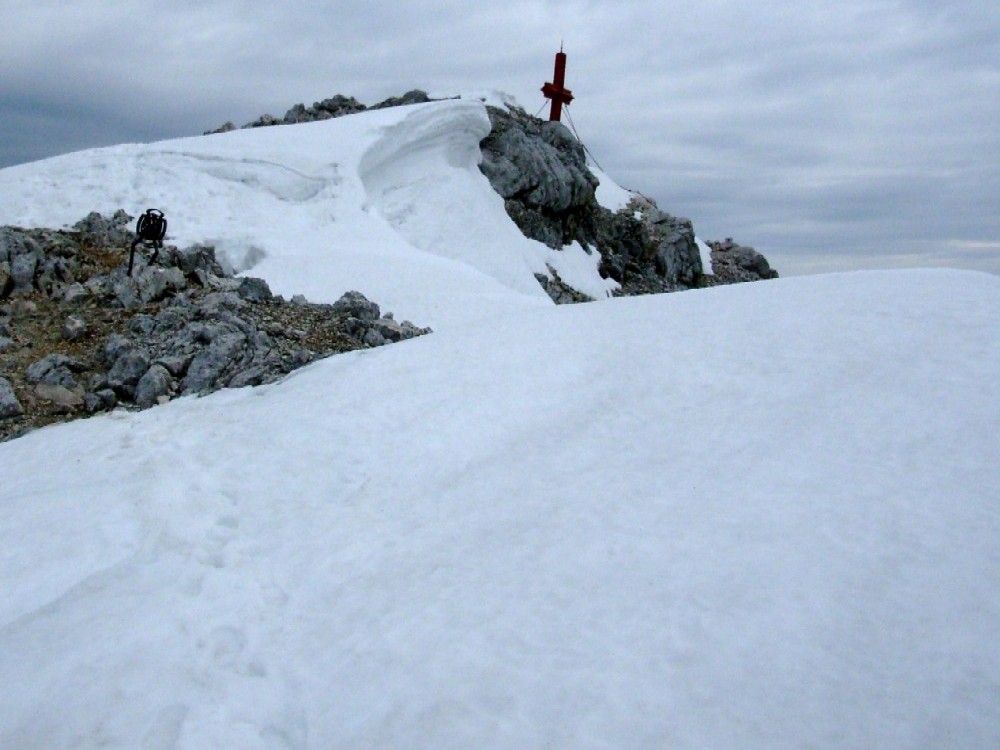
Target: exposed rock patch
{"points": [[79, 336], [10, 406], [560, 292], [733, 263], [541, 172], [336, 106]]}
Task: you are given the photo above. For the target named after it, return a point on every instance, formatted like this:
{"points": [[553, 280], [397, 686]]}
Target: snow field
{"points": [[586, 528], [760, 516]]}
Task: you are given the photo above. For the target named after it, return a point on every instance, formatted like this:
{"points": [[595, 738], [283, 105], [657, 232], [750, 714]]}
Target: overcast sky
{"points": [[828, 135]]}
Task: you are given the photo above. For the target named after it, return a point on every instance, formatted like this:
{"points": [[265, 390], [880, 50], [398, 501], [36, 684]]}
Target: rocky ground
{"points": [[733, 263], [79, 336], [541, 172], [335, 106]]}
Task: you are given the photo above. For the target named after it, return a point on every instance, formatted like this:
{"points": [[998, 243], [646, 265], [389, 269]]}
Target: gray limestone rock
{"points": [[9, 405], [9, 242], [172, 319], [99, 400], [97, 381], [253, 290], [198, 258], [73, 329], [142, 324], [99, 286], [105, 231], [750, 260], [264, 121], [220, 303], [355, 305], [6, 280], [128, 368], [732, 263], [302, 357], [208, 368], [154, 383], [74, 292], [52, 275], [225, 128], [389, 329], [126, 292], [114, 346], [374, 338], [252, 375], [176, 364], [339, 105], [296, 114], [154, 283], [67, 398], [538, 165], [22, 270], [411, 330], [560, 292], [541, 171], [55, 369], [335, 106], [416, 96], [676, 254], [92, 403]]}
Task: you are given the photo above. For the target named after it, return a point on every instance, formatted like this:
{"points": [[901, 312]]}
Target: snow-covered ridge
{"points": [[389, 202], [760, 516]]}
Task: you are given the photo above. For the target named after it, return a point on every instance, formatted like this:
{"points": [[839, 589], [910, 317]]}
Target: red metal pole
{"points": [[557, 91], [558, 81]]}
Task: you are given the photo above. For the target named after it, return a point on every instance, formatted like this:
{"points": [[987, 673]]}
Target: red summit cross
{"points": [[557, 90]]}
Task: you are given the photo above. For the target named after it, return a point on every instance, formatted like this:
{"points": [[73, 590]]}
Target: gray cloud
{"points": [[829, 135]]}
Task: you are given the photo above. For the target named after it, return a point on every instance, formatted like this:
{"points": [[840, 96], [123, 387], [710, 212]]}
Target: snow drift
{"points": [[759, 516], [384, 202]]}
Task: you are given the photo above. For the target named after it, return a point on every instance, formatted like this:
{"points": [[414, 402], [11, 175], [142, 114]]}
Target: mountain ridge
{"points": [[549, 190], [756, 515]]}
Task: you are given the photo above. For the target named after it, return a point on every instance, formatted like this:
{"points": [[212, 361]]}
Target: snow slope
{"points": [[576, 526], [384, 202]]}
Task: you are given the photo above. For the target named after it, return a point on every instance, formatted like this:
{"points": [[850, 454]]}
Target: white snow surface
{"points": [[609, 193], [705, 252], [489, 97], [756, 516]]}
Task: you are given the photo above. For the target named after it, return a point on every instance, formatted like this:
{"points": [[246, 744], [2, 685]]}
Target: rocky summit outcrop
{"points": [[335, 106], [80, 336], [733, 263], [540, 169]]}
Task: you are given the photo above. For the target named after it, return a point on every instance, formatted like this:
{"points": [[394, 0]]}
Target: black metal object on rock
{"points": [[150, 229]]}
